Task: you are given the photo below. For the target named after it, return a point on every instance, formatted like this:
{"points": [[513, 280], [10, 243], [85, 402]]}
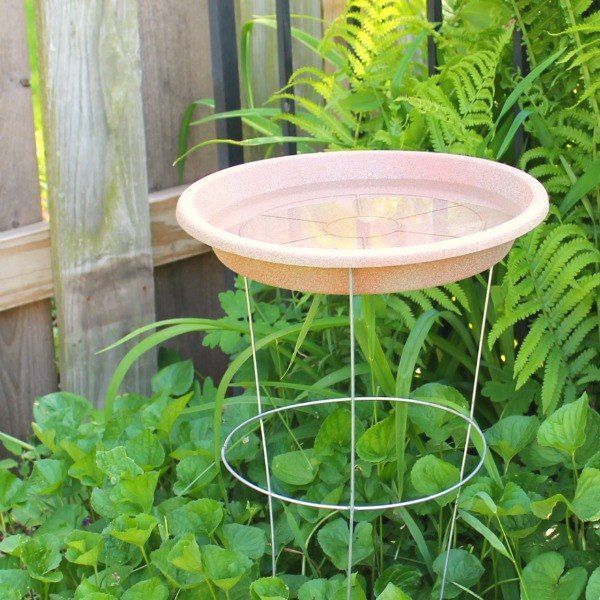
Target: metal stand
{"points": [[351, 507]]}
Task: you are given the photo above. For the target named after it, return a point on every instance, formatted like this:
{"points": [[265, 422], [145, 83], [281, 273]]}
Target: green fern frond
{"points": [[552, 282]]}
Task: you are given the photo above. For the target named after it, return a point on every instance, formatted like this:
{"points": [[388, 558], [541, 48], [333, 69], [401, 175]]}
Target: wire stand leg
{"points": [[352, 435], [471, 414], [262, 428]]}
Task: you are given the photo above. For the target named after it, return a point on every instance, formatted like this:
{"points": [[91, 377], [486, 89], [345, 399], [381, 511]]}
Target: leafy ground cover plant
{"points": [[131, 500]]}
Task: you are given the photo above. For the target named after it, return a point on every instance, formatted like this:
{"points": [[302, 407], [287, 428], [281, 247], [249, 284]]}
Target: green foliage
{"points": [[130, 501]]}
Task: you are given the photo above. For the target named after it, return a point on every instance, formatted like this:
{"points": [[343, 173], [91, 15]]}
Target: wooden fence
{"points": [[116, 77]]}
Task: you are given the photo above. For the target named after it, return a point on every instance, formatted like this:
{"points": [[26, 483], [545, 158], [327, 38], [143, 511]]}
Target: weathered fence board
{"points": [[25, 258], [97, 185], [176, 70], [27, 367], [332, 9]]}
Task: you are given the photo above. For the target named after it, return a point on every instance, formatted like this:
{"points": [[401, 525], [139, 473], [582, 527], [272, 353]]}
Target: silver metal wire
{"points": [[352, 435], [262, 428], [352, 399], [471, 420], [359, 507]]}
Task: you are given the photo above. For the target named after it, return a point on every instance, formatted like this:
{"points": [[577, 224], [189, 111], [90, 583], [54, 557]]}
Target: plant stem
{"points": [[4, 437], [210, 588], [513, 558]]}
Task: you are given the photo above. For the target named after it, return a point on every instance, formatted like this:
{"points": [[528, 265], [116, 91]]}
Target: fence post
{"points": [[285, 67], [27, 366], [434, 15], [97, 186], [226, 83]]}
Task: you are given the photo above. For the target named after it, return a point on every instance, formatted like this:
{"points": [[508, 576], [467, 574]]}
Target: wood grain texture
{"points": [[175, 51], [332, 9], [97, 186], [25, 256], [27, 366], [176, 71]]}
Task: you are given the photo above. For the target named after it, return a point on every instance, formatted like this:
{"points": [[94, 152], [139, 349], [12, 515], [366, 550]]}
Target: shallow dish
{"points": [[400, 220]]}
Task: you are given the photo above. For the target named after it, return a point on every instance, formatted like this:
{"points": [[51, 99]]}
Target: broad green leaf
{"points": [[186, 555], [316, 589], [201, 516], [224, 567], [406, 578], [485, 531], [586, 504], [12, 490], [47, 477], [41, 555], [391, 592], [513, 501], [194, 473], [175, 380], [146, 450], [431, 475], [61, 412], [356, 590], [84, 547], [463, 569], [334, 433], [295, 468], [135, 495], [116, 464], [149, 589], [182, 579], [170, 413], [84, 467], [544, 508], [15, 583], [591, 446], [543, 579], [564, 429], [436, 423], [510, 435], [592, 590], [269, 588], [377, 443], [86, 591], [334, 537], [13, 544], [540, 457], [133, 530], [250, 541]]}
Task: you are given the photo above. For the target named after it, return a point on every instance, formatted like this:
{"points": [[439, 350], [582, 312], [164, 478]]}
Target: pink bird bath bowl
{"points": [[400, 220]]}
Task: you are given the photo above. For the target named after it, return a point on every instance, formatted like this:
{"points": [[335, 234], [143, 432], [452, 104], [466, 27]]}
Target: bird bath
{"points": [[364, 222]]}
